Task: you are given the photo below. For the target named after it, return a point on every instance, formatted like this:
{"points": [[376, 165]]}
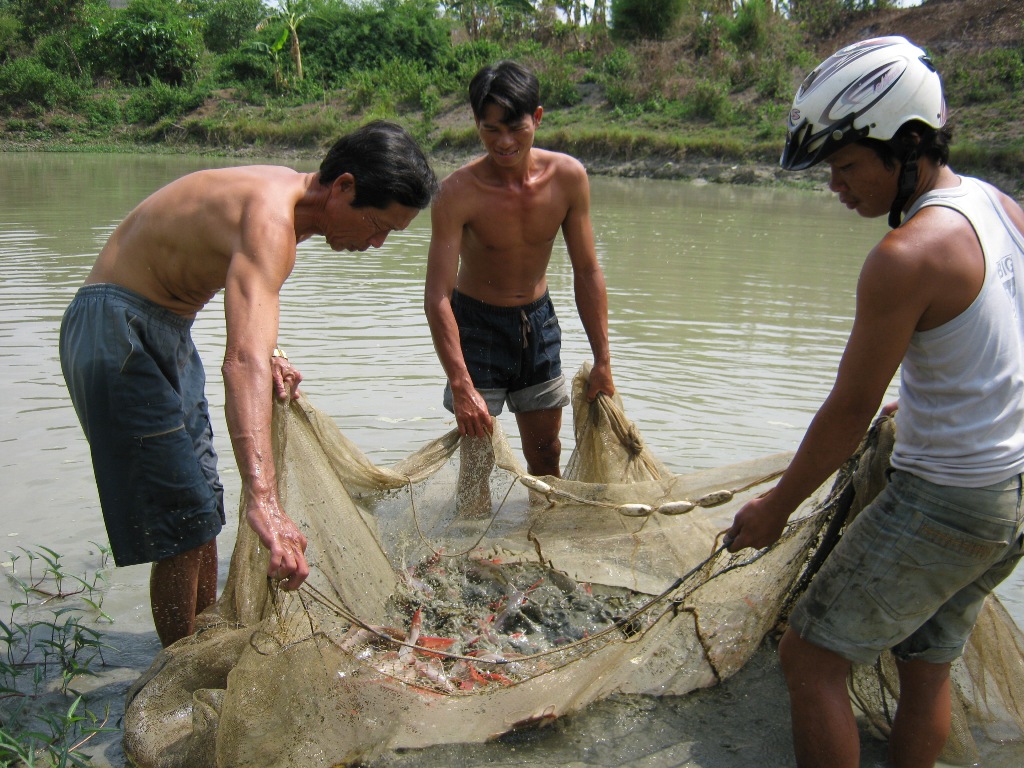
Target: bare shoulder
{"points": [[460, 192], [565, 166], [468, 174], [257, 182], [934, 231], [219, 208], [932, 265], [238, 187], [907, 254]]}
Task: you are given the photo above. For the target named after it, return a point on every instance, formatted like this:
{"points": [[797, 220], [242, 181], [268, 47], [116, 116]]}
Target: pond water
{"points": [[728, 311]]}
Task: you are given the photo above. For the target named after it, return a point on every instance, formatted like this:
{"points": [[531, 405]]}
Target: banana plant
{"points": [[291, 13], [274, 52]]}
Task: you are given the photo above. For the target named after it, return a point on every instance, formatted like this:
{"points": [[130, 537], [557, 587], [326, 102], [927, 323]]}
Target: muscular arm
{"points": [[447, 221], [588, 283], [892, 296], [263, 259]]}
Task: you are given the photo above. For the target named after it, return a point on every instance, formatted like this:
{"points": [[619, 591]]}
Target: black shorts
{"points": [[513, 354]]}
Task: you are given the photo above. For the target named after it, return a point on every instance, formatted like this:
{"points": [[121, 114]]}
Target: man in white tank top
{"points": [[937, 295]]}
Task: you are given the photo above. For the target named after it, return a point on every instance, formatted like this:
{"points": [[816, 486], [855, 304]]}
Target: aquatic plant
{"points": [[47, 643]]}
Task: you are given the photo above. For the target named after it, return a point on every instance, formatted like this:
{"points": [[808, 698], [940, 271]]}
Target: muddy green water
{"points": [[728, 311]]}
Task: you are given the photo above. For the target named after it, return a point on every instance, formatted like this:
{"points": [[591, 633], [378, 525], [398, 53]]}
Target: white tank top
{"points": [[961, 415]]}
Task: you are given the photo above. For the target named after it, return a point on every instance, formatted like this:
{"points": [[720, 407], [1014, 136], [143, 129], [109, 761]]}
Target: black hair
{"points": [[387, 164], [932, 143], [508, 84], [913, 140]]}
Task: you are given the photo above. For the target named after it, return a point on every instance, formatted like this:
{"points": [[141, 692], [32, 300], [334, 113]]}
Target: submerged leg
{"points": [[179, 588], [541, 445]]}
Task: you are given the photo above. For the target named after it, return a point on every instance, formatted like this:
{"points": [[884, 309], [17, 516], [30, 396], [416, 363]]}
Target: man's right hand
{"points": [[286, 378], [279, 534], [757, 524], [471, 414], [600, 382]]}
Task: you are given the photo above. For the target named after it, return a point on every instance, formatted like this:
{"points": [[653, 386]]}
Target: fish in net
{"points": [[453, 597]]}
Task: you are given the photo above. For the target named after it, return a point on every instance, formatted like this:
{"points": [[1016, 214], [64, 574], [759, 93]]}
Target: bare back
{"points": [[176, 246], [508, 227]]}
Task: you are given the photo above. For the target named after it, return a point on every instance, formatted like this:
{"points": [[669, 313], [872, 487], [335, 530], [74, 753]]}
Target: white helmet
{"points": [[865, 90]]}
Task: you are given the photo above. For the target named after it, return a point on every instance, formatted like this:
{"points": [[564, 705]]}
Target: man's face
{"points": [[356, 229], [862, 181], [507, 143]]}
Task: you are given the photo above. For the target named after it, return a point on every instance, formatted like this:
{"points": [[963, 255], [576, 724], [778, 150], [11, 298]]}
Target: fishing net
{"points": [[454, 598]]}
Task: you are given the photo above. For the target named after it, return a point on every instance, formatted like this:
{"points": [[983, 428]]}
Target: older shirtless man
{"points": [[494, 224], [137, 382]]}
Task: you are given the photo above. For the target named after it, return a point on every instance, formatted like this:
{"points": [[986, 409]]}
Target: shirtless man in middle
{"points": [[486, 299]]}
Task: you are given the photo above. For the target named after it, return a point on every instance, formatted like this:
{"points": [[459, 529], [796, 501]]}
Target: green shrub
{"points": [[386, 87], [229, 23], [618, 64], [343, 38], [28, 81], [159, 100], [63, 123], [983, 77], [749, 29], [11, 33], [456, 66], [43, 17], [645, 19], [101, 109], [151, 38], [245, 66], [59, 53], [774, 79], [822, 18], [710, 100], [430, 103], [558, 85]]}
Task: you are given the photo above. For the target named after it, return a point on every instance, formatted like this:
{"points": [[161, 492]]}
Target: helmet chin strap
{"points": [[907, 183]]}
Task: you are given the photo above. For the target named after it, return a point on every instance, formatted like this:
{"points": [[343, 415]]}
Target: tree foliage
{"points": [[227, 24], [826, 17], [344, 38], [645, 19], [41, 17], [151, 39]]}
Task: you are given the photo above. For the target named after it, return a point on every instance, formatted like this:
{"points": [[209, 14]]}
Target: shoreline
{"points": [[709, 170]]}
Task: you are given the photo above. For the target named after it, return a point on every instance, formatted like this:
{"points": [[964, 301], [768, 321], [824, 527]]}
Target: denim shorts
{"points": [[913, 570], [137, 384], [513, 354]]}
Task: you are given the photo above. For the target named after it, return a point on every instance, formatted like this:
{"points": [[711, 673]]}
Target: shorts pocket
{"points": [[931, 564], [170, 473]]}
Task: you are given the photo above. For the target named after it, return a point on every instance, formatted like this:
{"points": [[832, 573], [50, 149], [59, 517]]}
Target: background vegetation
{"points": [[662, 80]]}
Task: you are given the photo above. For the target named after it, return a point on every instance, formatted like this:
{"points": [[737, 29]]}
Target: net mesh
{"points": [[452, 597]]}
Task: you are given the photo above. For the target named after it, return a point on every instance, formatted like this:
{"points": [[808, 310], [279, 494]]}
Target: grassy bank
{"points": [[706, 97]]}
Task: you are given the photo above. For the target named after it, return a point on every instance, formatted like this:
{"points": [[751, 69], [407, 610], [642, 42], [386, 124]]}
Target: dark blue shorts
{"points": [[512, 353], [137, 384]]}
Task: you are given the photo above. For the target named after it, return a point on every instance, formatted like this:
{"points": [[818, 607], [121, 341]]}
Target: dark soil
{"points": [[941, 26]]}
